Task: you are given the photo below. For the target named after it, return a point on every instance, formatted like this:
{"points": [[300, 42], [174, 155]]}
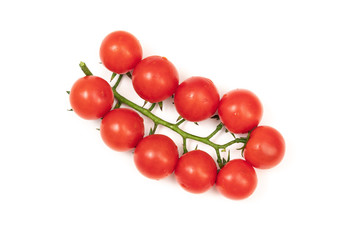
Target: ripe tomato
{"points": [[196, 171], [91, 97], [156, 156], [265, 148], [196, 99], [155, 78], [236, 180], [121, 129], [240, 110], [120, 51]]}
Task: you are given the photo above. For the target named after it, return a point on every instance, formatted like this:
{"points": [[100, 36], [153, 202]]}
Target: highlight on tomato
{"points": [[91, 97], [121, 129], [236, 180], [196, 171], [265, 148], [120, 51], [155, 79], [240, 110], [156, 156], [196, 99]]}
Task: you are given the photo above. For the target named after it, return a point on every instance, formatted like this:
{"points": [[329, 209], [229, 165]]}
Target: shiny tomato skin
{"points": [[240, 110], [265, 148], [122, 129], [120, 51], [196, 99], [156, 156], [236, 180], [91, 97], [196, 171], [155, 79]]}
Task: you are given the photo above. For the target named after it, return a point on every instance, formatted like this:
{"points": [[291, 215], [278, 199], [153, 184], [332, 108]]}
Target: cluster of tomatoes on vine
{"points": [[156, 156]]}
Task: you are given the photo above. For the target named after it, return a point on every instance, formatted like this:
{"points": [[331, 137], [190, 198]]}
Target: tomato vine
{"points": [[173, 126]]}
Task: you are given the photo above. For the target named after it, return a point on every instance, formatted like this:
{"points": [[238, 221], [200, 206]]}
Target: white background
{"points": [[59, 181]]}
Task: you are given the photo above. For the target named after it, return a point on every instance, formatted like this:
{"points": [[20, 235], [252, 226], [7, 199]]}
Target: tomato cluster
{"points": [[156, 156]]}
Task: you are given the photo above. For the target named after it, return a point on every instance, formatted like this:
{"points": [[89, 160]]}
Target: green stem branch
{"points": [[218, 128], [118, 81], [180, 122], [174, 127], [184, 146], [152, 107]]}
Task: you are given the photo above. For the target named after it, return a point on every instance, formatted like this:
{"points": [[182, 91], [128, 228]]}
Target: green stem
{"points": [[155, 127], [180, 122], [85, 69], [152, 107], [218, 128], [184, 146], [173, 126], [118, 81], [152, 130]]}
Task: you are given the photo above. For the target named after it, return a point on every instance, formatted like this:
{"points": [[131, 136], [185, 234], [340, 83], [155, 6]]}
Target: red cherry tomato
{"points": [[196, 171], [121, 129], [240, 110], [196, 99], [91, 97], [236, 180], [155, 79], [120, 51], [265, 148], [156, 156]]}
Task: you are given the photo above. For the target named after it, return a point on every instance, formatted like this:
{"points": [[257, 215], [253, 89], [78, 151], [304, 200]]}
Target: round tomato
{"points": [[265, 148], [91, 97], [196, 171], [236, 180], [156, 156], [120, 51], [240, 110], [196, 99], [155, 79], [121, 129]]}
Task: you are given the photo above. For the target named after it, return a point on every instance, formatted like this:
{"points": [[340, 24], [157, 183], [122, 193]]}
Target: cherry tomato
{"points": [[196, 171], [155, 79], [265, 148], [91, 97], [120, 51], [121, 129], [240, 110], [196, 99], [236, 180], [156, 156]]}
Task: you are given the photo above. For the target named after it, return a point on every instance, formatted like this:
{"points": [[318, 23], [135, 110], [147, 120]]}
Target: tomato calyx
{"points": [[222, 161]]}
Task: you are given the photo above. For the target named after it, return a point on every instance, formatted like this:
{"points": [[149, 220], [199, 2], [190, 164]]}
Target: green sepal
{"points": [[129, 75], [160, 105], [113, 76], [215, 117], [145, 102]]}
